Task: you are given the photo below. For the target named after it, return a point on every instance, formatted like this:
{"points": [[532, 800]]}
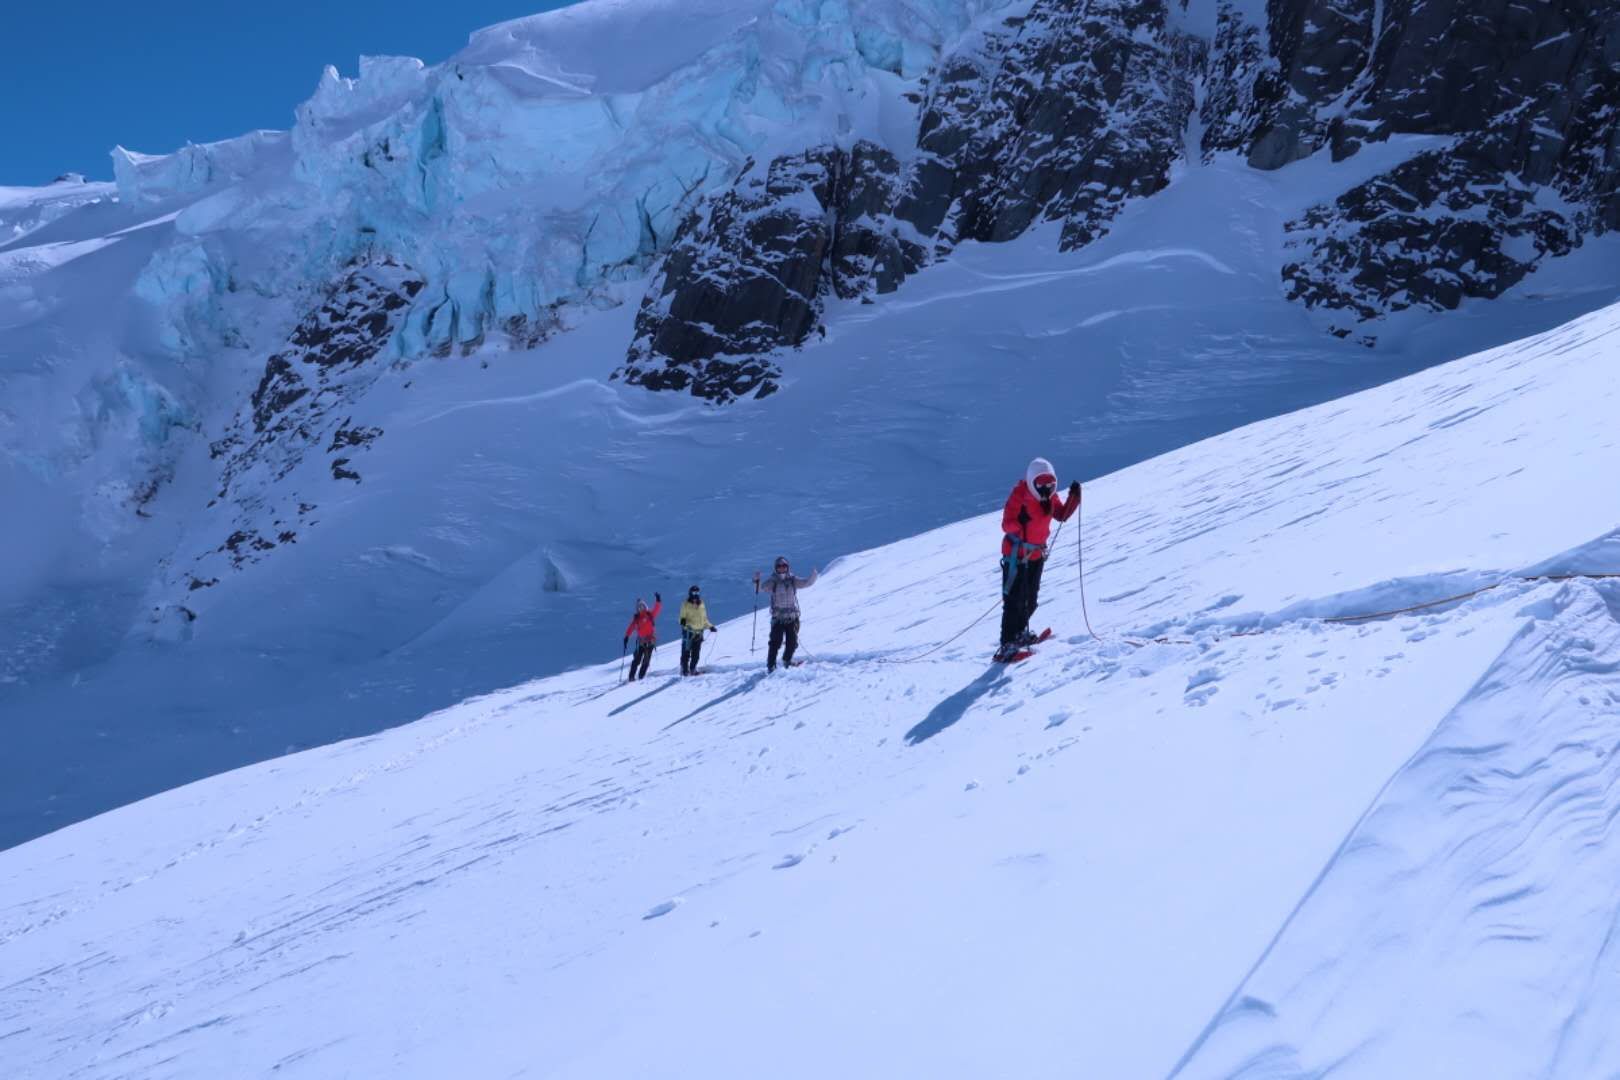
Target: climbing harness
{"points": [[1015, 559], [1057, 533]]}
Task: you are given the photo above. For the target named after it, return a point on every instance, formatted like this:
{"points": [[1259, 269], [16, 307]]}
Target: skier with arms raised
{"points": [[784, 589], [641, 624], [1026, 525]]}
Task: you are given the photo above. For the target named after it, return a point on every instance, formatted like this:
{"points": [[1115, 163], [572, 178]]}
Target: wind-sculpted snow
{"points": [[1057, 868], [1469, 917], [22, 210]]}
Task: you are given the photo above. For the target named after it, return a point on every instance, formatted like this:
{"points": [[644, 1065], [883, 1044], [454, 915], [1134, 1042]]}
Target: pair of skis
{"points": [[1023, 652]]}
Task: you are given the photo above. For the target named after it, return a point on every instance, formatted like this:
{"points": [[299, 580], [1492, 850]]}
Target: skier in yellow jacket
{"points": [[694, 620]]}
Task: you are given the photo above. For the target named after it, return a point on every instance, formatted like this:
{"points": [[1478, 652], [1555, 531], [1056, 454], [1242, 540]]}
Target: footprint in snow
{"points": [[663, 908], [789, 861], [1201, 686], [1058, 718]]}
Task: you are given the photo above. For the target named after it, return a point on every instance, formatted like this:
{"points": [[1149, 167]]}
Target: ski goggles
{"points": [[1044, 488]]}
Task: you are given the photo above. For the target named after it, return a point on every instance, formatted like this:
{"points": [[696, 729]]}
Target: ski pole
{"points": [[622, 650], [753, 635]]}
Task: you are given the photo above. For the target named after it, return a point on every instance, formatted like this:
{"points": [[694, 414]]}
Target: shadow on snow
{"points": [[747, 685], [667, 684], [953, 708]]}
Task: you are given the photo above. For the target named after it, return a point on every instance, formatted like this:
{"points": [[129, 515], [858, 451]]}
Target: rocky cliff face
{"points": [[1062, 114], [298, 408], [1523, 95], [1076, 107], [748, 272]]}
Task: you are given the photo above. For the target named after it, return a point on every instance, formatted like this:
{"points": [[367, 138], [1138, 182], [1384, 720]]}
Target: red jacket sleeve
{"points": [[1010, 524], [1065, 510], [631, 628], [656, 608]]}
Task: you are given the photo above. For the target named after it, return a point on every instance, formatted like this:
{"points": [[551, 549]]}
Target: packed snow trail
{"points": [[865, 868]]}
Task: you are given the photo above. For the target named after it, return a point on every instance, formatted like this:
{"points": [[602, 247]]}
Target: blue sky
{"points": [[77, 79]]}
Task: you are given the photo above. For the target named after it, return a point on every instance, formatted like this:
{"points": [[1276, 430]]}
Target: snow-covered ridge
{"points": [[1323, 847]]}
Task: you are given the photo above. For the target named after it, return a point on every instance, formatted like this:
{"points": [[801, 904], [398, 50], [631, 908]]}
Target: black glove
{"points": [[626, 644], [1074, 490], [714, 629], [658, 598]]}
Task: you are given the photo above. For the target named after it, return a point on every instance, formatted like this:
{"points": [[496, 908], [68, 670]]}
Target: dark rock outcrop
{"points": [[1070, 111], [324, 366], [1063, 115], [330, 360], [1521, 99], [747, 273]]}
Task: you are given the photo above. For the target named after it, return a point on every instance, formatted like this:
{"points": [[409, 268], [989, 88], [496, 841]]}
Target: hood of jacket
{"points": [[1039, 467]]}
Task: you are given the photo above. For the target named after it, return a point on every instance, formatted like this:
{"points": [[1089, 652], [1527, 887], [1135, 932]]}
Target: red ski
{"points": [[1023, 653]]}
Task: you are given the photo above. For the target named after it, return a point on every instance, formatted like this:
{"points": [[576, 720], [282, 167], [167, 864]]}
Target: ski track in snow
{"points": [[1061, 867]]}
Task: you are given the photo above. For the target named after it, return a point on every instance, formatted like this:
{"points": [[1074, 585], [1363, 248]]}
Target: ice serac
{"points": [[1063, 112], [197, 168], [1526, 96]]}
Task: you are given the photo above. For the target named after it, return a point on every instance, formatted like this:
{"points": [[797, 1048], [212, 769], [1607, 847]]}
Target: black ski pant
{"points": [[691, 648], [1020, 595], [785, 630], [642, 656]]}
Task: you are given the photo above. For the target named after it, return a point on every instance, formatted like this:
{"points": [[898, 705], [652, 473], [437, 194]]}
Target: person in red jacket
{"points": [[641, 624], [1026, 525]]}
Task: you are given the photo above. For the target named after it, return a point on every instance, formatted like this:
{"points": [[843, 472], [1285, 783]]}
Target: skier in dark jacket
{"points": [[641, 624], [784, 589], [1026, 525]]}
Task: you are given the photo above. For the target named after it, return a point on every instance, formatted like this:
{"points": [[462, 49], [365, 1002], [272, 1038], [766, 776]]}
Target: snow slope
{"points": [[1380, 848], [512, 511], [201, 581]]}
